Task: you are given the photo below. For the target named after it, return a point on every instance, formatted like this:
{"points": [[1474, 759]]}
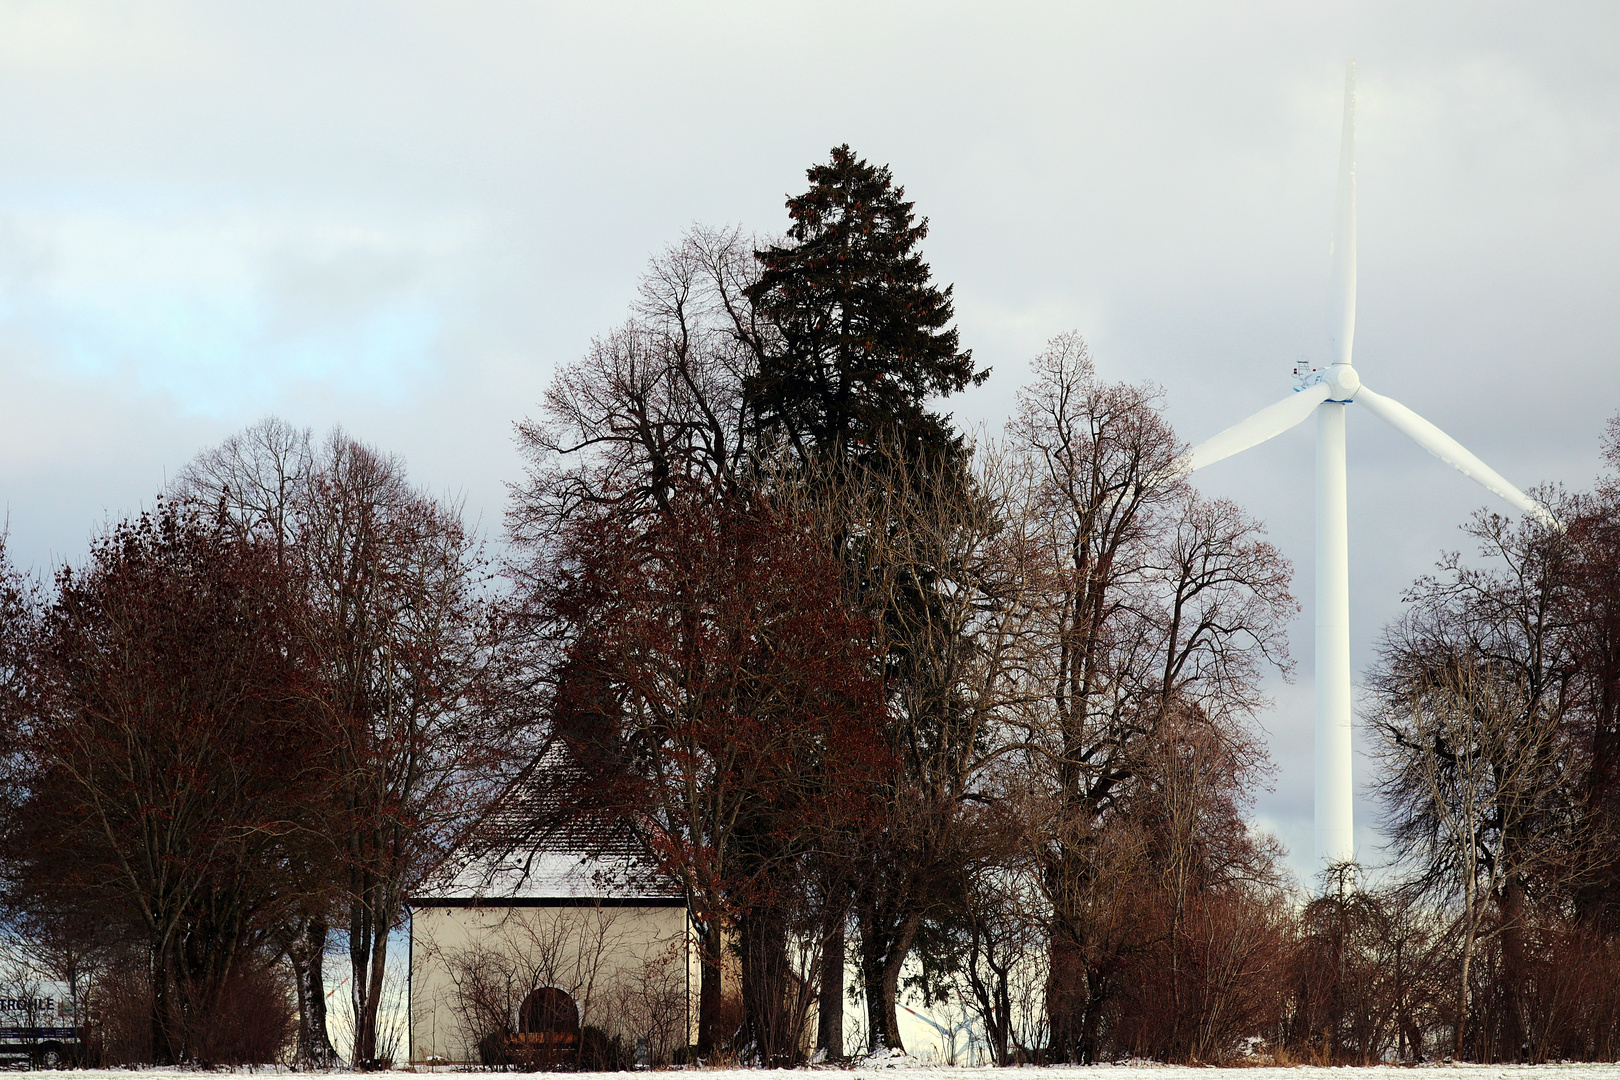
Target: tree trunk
{"points": [[298, 960], [765, 987], [882, 1022], [830, 1008], [307, 954], [1100, 989], [359, 971], [881, 960], [1511, 1029], [371, 999], [362, 994], [992, 995], [379, 963], [1001, 1031], [710, 989], [1065, 998], [1462, 989], [164, 1052]]}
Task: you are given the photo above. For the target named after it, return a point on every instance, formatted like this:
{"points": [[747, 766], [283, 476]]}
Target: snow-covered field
{"points": [[911, 1069]]}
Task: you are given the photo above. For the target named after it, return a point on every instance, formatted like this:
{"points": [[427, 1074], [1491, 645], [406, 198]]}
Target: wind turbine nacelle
{"points": [[1342, 382]]}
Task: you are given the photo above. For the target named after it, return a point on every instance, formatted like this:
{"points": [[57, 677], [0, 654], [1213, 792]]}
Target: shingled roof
{"points": [[524, 851]]}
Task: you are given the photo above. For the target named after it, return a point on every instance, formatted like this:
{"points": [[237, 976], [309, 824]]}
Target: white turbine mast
{"points": [[1327, 394]]}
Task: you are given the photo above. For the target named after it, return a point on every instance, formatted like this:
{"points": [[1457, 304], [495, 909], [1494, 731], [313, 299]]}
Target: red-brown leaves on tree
{"points": [[717, 689], [715, 665], [168, 762]]}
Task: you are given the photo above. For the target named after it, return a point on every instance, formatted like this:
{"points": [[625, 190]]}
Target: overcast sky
{"points": [[403, 217]]}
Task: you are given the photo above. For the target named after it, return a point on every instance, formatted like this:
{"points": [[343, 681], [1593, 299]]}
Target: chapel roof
{"points": [[525, 850]]}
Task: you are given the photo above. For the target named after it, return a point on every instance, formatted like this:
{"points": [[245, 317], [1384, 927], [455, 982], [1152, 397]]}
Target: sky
{"points": [[403, 217]]}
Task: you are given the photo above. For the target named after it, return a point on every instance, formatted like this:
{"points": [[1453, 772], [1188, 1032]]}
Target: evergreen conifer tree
{"points": [[863, 335]]}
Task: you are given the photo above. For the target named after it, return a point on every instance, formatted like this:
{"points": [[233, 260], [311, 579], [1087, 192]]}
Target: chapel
{"points": [[548, 943]]}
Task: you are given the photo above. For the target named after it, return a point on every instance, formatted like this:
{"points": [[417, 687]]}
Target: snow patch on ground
{"points": [[877, 1065], [889, 1059]]}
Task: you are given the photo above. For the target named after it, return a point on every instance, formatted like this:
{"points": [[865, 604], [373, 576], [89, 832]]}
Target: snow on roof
{"points": [[524, 850]]}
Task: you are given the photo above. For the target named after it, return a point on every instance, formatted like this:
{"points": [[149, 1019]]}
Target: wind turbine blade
{"points": [[1450, 451], [1268, 422], [1342, 290]]}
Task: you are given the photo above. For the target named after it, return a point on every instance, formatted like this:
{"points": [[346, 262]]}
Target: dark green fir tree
{"points": [[863, 335]]}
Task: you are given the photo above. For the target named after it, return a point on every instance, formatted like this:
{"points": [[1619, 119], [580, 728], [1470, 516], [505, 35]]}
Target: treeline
{"points": [[1497, 716], [904, 712], [257, 712], [875, 692]]}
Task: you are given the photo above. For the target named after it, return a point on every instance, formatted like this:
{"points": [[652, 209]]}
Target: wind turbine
{"points": [[1327, 394]]}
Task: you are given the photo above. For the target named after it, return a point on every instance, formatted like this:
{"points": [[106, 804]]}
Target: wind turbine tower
{"points": [[1329, 394]]}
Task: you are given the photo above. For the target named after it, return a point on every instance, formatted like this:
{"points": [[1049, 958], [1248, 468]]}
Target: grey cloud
{"points": [[1159, 177]]}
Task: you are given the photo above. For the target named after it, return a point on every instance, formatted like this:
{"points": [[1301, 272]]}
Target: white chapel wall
{"points": [[630, 970]]}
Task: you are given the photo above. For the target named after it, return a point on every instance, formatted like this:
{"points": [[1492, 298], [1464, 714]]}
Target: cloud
{"points": [[403, 217], [224, 312]]}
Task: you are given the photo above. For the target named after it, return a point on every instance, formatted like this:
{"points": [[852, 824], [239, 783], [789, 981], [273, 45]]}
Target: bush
{"points": [[601, 1052], [253, 1020]]}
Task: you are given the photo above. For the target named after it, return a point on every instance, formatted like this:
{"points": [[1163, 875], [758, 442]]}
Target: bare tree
{"points": [[1362, 965], [1591, 607], [646, 445], [719, 698], [1483, 754], [1469, 763], [655, 409], [1497, 707], [650, 997], [1158, 610], [656, 423], [19, 611], [403, 646], [997, 936], [926, 551], [263, 478], [397, 617]]}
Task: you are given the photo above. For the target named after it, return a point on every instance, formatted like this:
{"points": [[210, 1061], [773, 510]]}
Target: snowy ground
{"points": [[911, 1069]]}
